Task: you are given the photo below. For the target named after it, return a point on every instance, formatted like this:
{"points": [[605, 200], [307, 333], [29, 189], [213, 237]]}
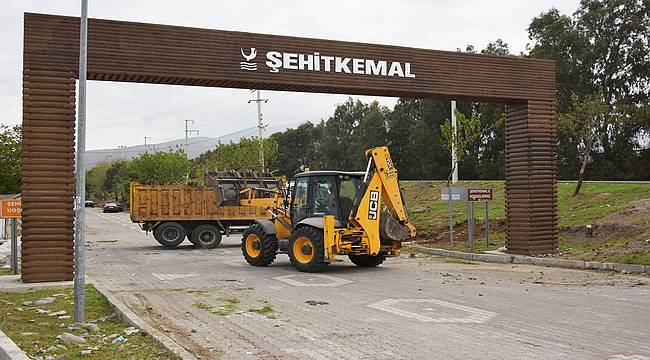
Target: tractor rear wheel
{"points": [[367, 260], [307, 250], [258, 247]]}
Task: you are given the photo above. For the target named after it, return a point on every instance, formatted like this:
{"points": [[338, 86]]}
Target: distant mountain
{"points": [[196, 145]]}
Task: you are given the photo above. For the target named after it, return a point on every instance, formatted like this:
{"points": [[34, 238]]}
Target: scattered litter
{"points": [[56, 295], [118, 339], [27, 334], [86, 352], [111, 337], [45, 301], [105, 318], [41, 311], [64, 317], [51, 348], [57, 313], [314, 302], [27, 303], [72, 339], [130, 331], [91, 327]]}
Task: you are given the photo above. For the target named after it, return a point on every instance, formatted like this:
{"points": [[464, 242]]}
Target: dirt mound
{"points": [[639, 209], [622, 222]]}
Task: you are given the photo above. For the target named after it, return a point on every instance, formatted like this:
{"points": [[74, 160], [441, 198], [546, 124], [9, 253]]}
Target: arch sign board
{"points": [[161, 54]]}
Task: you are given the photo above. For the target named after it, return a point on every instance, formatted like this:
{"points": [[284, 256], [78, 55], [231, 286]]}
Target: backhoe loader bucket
{"points": [[391, 229], [229, 184]]}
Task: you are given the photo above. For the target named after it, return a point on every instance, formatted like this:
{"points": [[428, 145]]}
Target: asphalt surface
{"points": [[215, 305]]}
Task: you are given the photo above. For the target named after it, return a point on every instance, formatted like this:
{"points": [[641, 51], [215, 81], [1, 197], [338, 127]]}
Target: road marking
{"points": [[312, 280], [471, 315], [173, 276], [237, 263]]}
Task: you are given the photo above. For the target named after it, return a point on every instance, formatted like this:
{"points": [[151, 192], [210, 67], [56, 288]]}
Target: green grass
{"points": [[265, 310], [34, 332], [6, 271], [228, 307], [430, 216], [590, 205], [632, 257]]}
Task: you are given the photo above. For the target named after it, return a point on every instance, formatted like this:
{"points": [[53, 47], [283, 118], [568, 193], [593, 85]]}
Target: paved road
{"points": [[410, 308]]}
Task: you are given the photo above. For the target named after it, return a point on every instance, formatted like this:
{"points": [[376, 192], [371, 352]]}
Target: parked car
{"points": [[89, 203], [112, 207]]}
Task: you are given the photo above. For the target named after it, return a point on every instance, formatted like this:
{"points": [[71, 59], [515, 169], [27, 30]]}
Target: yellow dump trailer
{"points": [[174, 212]]}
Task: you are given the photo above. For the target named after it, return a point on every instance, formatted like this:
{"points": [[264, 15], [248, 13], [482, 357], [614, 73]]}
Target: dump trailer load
{"points": [[203, 214]]}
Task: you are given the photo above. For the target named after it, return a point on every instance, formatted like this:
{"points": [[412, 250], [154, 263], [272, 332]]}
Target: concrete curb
{"points": [[9, 350], [126, 315], [538, 261]]}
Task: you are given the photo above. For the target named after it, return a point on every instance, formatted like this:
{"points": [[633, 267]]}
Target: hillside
{"points": [[196, 145], [618, 215]]}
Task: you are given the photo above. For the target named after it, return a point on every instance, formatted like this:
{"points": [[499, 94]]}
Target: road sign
{"points": [[457, 194], [479, 194], [10, 208]]}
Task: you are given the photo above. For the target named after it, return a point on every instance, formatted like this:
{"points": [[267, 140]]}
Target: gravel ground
{"points": [[413, 307]]}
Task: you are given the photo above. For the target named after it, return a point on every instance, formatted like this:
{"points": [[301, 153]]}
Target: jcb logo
{"points": [[373, 207], [389, 161]]}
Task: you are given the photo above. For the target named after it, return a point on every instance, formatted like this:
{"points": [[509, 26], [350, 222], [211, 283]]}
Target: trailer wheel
{"points": [[367, 260], [169, 234], [307, 250], [258, 247], [206, 236]]}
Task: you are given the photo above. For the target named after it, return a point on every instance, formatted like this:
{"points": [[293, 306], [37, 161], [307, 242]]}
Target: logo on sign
{"points": [[248, 64], [277, 61], [373, 207]]}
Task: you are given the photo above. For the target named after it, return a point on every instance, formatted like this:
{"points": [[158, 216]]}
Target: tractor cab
{"points": [[319, 193]]}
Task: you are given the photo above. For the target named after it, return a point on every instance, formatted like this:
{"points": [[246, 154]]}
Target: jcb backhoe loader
{"points": [[329, 213]]}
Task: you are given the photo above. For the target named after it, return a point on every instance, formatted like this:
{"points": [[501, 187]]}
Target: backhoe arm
{"points": [[380, 160]]}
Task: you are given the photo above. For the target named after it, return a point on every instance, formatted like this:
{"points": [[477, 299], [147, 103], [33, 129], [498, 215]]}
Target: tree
{"points": [[586, 118], [299, 148], [10, 154], [96, 181], [116, 179], [467, 131], [603, 47], [236, 155], [160, 168]]}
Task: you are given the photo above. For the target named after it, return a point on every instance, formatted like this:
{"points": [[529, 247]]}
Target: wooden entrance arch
{"points": [[148, 53]]}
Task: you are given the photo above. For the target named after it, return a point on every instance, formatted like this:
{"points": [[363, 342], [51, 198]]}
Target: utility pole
{"points": [[260, 125], [80, 191], [146, 149], [454, 175], [122, 148], [189, 132]]}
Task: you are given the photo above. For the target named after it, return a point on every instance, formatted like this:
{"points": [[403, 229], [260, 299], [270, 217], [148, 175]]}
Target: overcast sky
{"points": [[122, 113]]}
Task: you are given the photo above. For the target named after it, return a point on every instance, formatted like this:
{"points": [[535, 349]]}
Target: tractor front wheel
{"points": [[306, 250], [258, 247]]}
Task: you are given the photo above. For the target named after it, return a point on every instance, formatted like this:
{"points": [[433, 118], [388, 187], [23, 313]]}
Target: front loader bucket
{"points": [[228, 185]]}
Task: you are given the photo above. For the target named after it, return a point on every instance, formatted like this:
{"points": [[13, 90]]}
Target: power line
{"points": [[189, 132], [260, 125]]}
